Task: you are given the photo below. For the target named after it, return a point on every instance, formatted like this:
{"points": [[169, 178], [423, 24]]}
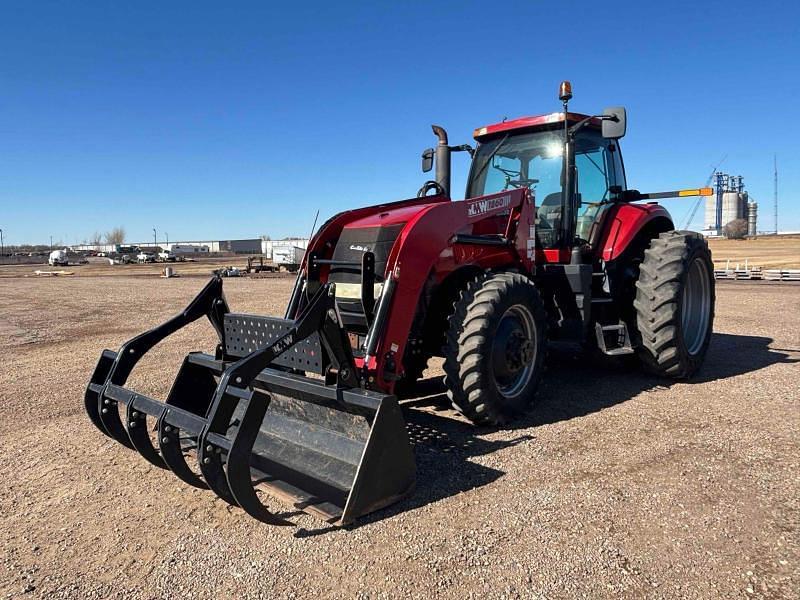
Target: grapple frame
{"points": [[326, 445]]}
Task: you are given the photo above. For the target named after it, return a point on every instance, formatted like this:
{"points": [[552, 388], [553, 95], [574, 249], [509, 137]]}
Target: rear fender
{"points": [[624, 222]]}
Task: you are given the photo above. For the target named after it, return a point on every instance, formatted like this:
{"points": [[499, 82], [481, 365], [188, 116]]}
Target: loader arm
{"points": [[427, 243]]}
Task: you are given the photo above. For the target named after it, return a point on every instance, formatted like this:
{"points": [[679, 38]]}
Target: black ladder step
{"points": [[623, 345]]}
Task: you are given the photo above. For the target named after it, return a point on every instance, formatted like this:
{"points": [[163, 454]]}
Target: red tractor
{"points": [[549, 244]]}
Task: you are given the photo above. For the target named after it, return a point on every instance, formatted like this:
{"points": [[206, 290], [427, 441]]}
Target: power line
{"points": [[775, 162]]}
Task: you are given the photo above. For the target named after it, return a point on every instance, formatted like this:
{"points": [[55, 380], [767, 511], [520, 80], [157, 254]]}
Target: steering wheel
{"points": [[521, 183], [431, 185]]}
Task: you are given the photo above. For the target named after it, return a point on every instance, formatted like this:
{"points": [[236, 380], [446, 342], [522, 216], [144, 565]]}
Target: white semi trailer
{"points": [[287, 256]]}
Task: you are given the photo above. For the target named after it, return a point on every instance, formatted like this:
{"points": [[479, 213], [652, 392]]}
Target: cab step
{"points": [[613, 340]]}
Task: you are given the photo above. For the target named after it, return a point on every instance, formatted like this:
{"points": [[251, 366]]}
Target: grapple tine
{"points": [[212, 467], [109, 416], [172, 453], [238, 466], [192, 391], [140, 438], [91, 398], [212, 444]]}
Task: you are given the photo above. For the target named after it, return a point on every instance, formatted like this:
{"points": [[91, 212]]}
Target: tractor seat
{"points": [[549, 211]]}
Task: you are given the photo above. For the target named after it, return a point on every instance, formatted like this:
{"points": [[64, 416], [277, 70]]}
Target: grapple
{"points": [[279, 405]]}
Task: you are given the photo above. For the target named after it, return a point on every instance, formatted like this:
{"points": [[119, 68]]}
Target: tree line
{"points": [[112, 237]]}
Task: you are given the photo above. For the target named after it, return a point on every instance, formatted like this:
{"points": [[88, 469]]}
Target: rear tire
{"points": [[675, 304], [494, 355]]}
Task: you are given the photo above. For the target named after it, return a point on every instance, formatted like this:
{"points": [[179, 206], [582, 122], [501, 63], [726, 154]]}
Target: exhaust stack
{"points": [[442, 159]]}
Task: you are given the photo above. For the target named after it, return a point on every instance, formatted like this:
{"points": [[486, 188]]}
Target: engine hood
{"points": [[389, 217]]}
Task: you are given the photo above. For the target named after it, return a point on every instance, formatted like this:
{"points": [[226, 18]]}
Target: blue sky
{"points": [[227, 120]]}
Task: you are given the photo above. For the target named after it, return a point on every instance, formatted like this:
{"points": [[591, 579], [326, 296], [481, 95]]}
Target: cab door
{"points": [[600, 173]]}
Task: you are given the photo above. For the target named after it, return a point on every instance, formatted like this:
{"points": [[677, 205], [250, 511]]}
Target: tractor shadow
{"points": [[572, 387], [443, 448]]}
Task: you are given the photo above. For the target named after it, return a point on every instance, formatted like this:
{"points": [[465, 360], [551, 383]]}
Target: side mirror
{"points": [[615, 123], [427, 160]]}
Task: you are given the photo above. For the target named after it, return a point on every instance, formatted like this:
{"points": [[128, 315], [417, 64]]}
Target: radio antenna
{"points": [[314, 226]]}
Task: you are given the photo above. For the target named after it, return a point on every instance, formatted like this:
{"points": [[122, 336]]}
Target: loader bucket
{"points": [[252, 420]]}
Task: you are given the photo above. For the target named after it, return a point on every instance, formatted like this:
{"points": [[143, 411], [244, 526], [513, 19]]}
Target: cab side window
{"points": [[597, 173]]}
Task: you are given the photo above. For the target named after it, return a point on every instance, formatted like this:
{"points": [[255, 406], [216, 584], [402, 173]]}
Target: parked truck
{"points": [[287, 256]]}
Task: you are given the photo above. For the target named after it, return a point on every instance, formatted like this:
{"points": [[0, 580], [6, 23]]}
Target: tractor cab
{"points": [[530, 153], [570, 162]]}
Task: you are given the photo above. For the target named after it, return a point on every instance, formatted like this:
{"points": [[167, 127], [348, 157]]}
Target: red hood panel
{"points": [[394, 216]]}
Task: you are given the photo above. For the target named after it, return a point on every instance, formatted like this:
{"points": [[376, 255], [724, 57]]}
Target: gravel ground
{"points": [[615, 485]]}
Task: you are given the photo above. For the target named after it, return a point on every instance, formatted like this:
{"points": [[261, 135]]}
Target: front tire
{"points": [[675, 304], [495, 349]]}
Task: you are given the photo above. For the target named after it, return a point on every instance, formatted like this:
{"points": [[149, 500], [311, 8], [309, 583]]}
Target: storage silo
{"points": [[752, 214], [743, 200], [731, 207], [710, 213]]}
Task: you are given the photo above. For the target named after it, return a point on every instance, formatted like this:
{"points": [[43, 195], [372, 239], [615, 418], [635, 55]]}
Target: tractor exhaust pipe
{"points": [[442, 159]]}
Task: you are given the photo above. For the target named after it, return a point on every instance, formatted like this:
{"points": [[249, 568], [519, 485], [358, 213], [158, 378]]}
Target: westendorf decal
{"points": [[481, 207]]}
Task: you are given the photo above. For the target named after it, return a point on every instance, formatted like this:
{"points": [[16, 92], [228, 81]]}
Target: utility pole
{"points": [[155, 243], [51, 243], [775, 162], [166, 235], [2, 246]]}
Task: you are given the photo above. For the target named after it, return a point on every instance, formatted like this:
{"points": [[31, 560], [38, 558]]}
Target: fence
{"points": [[757, 273]]}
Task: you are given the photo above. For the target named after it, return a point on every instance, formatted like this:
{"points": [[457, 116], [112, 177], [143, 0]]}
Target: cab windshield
{"points": [[534, 160], [531, 160]]}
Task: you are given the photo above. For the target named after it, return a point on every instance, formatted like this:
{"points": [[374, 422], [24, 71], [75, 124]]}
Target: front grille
{"points": [[351, 247]]}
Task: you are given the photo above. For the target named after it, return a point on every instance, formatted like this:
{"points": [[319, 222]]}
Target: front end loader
{"points": [[548, 245], [324, 444], [292, 404]]}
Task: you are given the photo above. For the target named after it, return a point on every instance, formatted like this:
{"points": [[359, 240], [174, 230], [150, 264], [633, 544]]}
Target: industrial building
{"points": [[729, 203], [247, 246]]}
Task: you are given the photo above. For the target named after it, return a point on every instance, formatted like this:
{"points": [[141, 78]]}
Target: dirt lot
{"points": [[782, 252], [615, 485]]}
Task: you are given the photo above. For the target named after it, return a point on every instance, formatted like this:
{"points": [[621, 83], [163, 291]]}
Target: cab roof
{"points": [[523, 123]]}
